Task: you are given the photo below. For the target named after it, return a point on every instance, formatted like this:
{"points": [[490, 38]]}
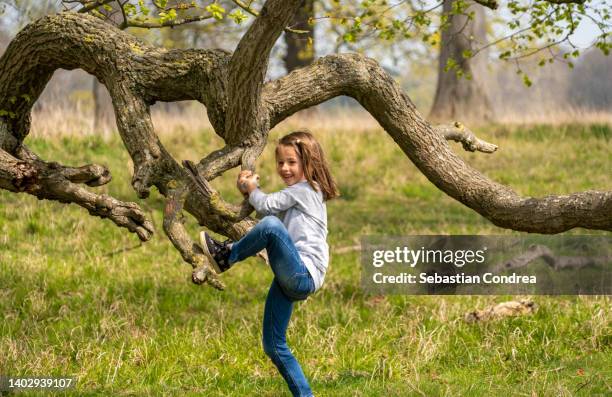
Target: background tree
{"points": [[460, 92], [300, 45], [242, 108], [521, 31], [591, 93]]}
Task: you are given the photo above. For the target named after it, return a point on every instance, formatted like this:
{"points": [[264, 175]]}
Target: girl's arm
{"points": [[273, 203], [264, 204]]}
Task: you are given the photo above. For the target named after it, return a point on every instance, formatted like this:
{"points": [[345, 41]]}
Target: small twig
{"points": [[124, 24], [176, 22], [194, 175], [95, 5]]}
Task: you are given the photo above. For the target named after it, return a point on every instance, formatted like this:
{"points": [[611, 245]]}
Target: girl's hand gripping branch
{"points": [[247, 182]]}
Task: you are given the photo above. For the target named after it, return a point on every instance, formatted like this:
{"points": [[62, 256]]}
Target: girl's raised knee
{"points": [[271, 221]]}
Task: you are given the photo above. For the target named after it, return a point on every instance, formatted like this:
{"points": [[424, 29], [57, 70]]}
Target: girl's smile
{"points": [[289, 165]]}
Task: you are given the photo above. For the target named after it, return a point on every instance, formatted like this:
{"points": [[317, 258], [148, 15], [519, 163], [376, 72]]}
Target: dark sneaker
{"points": [[217, 252]]}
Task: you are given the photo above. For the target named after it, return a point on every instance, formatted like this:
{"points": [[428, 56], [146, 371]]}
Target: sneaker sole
{"points": [[212, 260]]}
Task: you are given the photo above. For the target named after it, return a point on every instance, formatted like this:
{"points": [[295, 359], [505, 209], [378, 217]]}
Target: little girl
{"points": [[294, 233]]}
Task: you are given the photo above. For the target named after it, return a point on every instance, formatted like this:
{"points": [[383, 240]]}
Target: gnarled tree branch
{"points": [[27, 173], [191, 252], [135, 75], [245, 124], [363, 79]]}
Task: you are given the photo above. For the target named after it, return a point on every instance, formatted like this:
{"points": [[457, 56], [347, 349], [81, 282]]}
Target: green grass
{"points": [[128, 322]]}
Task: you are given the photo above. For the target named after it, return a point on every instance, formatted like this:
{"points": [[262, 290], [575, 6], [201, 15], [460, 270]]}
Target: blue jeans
{"points": [[292, 282]]}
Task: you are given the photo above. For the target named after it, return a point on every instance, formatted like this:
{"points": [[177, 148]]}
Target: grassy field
{"points": [[81, 297]]}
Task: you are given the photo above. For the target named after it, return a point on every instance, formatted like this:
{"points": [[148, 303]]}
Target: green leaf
{"points": [[238, 16], [167, 16], [130, 9], [505, 54], [387, 34], [215, 10], [349, 37]]}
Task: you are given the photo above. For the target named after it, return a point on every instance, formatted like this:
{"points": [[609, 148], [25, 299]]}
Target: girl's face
{"points": [[289, 165]]}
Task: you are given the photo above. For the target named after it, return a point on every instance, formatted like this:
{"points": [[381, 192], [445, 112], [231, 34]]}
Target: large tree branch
{"points": [[219, 161], [135, 75], [231, 212], [191, 252], [364, 80], [70, 41], [244, 122], [52, 181]]}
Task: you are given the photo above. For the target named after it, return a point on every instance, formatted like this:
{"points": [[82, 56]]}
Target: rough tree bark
{"points": [[462, 97], [242, 110]]}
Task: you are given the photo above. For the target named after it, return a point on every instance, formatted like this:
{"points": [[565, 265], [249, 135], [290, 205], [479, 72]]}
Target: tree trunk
{"points": [[300, 46], [462, 97]]}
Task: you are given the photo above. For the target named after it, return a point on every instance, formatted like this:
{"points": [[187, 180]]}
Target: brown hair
{"points": [[313, 161]]}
